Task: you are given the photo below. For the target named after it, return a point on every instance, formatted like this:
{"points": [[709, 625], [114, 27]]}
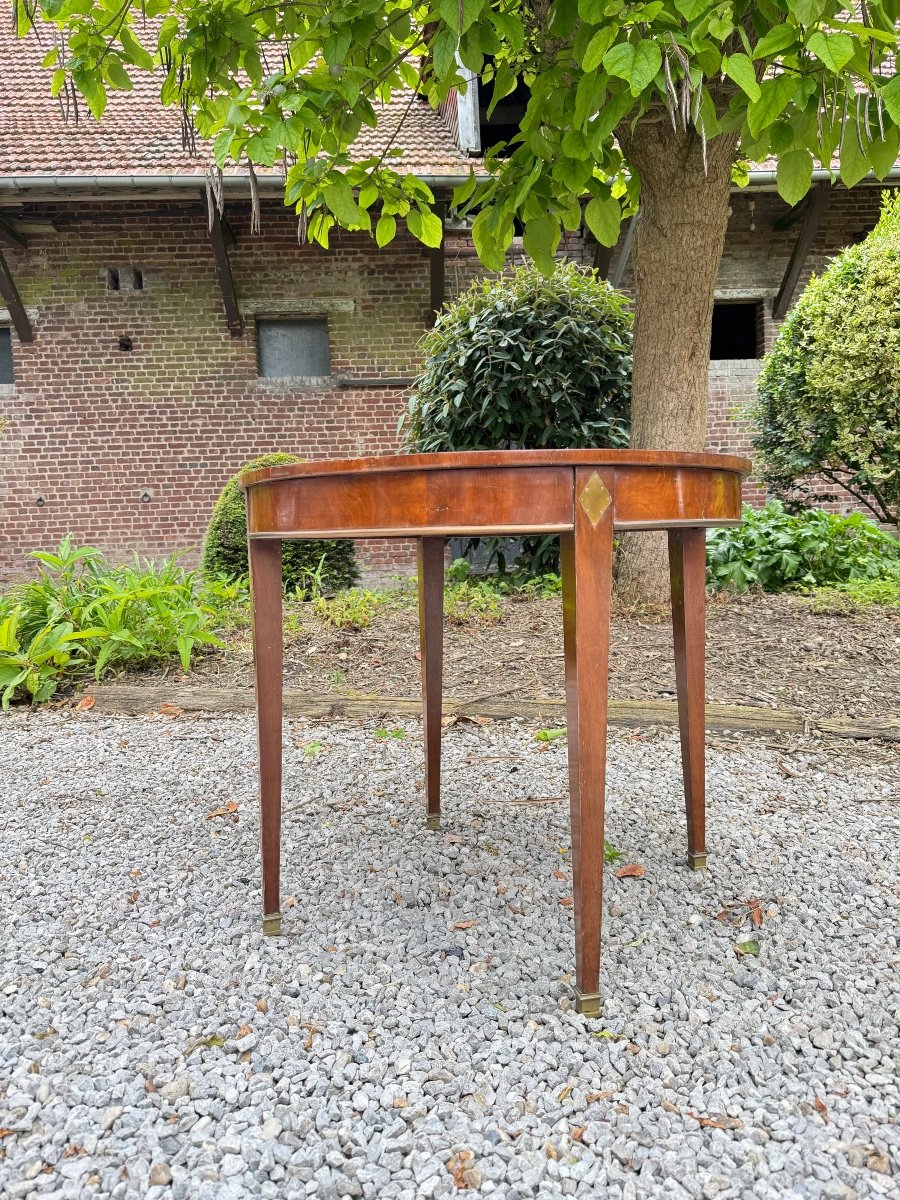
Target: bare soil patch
{"points": [[769, 651]]}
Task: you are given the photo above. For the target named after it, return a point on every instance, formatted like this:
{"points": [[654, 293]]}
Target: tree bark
{"points": [[677, 249]]}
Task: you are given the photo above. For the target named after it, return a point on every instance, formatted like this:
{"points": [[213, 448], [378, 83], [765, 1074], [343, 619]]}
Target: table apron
{"points": [[485, 501]]}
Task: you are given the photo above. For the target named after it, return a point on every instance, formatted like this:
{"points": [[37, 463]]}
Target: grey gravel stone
{"points": [[396, 1036]]}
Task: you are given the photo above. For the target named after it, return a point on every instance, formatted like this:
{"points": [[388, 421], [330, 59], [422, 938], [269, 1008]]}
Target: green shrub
{"points": [[354, 608], [309, 566], [774, 550], [81, 616], [829, 392], [526, 361]]}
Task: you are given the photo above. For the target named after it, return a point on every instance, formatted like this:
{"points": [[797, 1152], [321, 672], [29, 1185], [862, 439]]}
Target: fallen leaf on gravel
{"points": [[289, 902], [72, 1151], [132, 897], [230, 808], [400, 1102], [243, 1031], [592, 1096], [566, 901], [716, 1121], [751, 947], [551, 1150], [672, 1108], [85, 703], [549, 735], [578, 1132], [463, 924], [5, 1133], [560, 875], [632, 870], [821, 1108], [153, 924], [566, 1091], [879, 1162], [135, 873], [170, 710], [262, 1006], [122, 743], [607, 1033], [756, 915]]}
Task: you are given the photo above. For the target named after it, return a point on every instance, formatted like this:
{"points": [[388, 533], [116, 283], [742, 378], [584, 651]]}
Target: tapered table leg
{"points": [[687, 567], [268, 659], [431, 648], [587, 573]]}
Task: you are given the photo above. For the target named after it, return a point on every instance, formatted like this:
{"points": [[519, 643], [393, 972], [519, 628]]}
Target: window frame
{"points": [[320, 319]]}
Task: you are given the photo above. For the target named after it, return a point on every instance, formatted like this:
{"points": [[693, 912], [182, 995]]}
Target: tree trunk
{"points": [[677, 248]]}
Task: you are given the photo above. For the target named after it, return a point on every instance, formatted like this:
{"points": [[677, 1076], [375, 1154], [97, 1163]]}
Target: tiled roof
{"points": [[138, 136]]}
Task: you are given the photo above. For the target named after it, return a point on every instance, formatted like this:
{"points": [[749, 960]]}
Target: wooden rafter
{"points": [[218, 240], [10, 236], [13, 301], [819, 199]]}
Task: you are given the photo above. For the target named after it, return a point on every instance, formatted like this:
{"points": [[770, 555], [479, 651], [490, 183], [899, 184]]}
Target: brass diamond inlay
{"points": [[595, 499]]}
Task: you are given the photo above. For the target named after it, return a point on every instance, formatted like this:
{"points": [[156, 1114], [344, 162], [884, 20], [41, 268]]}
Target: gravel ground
{"points": [[412, 1034]]}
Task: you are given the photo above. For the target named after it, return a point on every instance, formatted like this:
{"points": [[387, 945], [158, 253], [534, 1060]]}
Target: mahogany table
{"points": [[583, 495]]}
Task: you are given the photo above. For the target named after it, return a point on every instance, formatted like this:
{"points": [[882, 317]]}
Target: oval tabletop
{"points": [[492, 491]]}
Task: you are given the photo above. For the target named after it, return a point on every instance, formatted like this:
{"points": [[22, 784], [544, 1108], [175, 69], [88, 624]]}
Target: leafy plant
{"points": [[353, 609], [773, 550], [310, 566], [845, 598], [471, 601], [526, 361], [81, 615], [829, 392]]}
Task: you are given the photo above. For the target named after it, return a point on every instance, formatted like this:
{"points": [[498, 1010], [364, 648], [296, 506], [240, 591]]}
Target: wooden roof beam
{"points": [[10, 236], [819, 200], [13, 301], [218, 240]]}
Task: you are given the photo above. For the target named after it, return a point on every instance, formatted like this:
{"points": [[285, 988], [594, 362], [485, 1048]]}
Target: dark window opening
{"points": [[112, 279], [126, 344], [293, 348], [137, 279], [6, 359], [735, 330], [503, 123]]}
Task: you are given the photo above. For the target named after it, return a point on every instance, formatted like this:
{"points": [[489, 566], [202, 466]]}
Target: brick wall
{"points": [[90, 429]]}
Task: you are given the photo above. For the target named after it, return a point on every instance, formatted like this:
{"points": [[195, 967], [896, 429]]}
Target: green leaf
{"points": [[775, 95], [890, 94], [604, 218], [452, 10], [549, 735], [833, 49], [635, 62], [750, 947], [778, 38], [592, 11], [598, 46], [338, 195], [167, 31], [443, 53], [385, 229], [465, 190], [794, 175], [540, 239], [135, 51], [739, 68], [426, 226], [807, 12], [884, 153]]}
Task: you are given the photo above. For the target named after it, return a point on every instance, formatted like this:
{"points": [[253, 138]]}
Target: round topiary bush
{"points": [[829, 392], [526, 361], [309, 566]]}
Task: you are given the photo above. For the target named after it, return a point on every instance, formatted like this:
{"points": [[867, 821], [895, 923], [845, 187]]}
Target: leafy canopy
{"points": [[297, 80], [829, 392]]}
